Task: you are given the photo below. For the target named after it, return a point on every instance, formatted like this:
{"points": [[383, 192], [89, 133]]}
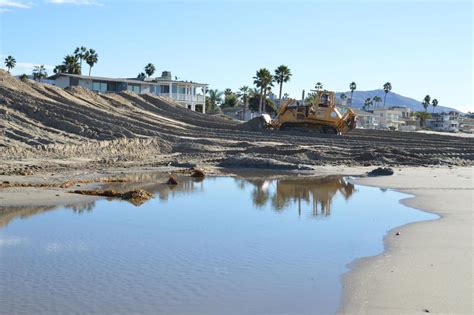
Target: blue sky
{"points": [[421, 47]]}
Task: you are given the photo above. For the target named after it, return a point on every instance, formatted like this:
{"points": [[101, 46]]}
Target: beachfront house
{"points": [[392, 118], [448, 122], [365, 119], [187, 93]]}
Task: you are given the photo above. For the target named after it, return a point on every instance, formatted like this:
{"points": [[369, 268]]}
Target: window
{"points": [[175, 88], [181, 90], [165, 89], [99, 86], [134, 88]]}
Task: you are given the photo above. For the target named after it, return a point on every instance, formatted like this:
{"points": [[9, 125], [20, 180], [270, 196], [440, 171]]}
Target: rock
{"points": [[198, 173], [398, 233], [172, 181], [426, 310], [6, 182], [381, 171]]}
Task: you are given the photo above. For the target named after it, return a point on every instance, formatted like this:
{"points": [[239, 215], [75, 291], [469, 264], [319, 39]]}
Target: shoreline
{"points": [[428, 267], [396, 281]]}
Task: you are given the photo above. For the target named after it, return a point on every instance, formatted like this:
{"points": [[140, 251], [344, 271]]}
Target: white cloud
{"points": [[8, 5], [75, 2], [14, 4]]}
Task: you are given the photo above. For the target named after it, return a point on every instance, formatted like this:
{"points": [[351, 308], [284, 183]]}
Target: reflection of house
{"points": [[444, 122], [189, 94]]}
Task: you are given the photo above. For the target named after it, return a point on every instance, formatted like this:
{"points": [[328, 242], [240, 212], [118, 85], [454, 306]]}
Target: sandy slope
{"points": [[429, 266], [45, 127]]}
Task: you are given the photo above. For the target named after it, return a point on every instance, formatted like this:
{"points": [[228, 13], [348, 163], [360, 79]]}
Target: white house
{"points": [[365, 119], [392, 118], [187, 93], [444, 122]]}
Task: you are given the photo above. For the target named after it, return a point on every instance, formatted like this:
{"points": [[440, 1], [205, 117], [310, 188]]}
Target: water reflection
{"points": [[315, 191], [279, 192]]}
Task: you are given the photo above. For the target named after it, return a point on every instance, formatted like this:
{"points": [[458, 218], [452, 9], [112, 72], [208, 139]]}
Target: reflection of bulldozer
{"points": [[322, 116], [318, 190]]}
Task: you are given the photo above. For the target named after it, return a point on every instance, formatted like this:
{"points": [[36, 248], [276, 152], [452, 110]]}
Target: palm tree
{"points": [[426, 102], [387, 87], [71, 64], [141, 76], [60, 69], [282, 75], [262, 79], [377, 99], [243, 94], [91, 58], [434, 103], [215, 97], [367, 103], [150, 69], [10, 63], [343, 96], [352, 87], [39, 72], [80, 53], [318, 86]]}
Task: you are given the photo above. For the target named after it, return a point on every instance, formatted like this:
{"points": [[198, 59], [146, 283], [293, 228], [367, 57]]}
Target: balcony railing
{"points": [[187, 97]]}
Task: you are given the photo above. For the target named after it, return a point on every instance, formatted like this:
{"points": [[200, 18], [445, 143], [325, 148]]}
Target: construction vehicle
{"points": [[320, 115]]}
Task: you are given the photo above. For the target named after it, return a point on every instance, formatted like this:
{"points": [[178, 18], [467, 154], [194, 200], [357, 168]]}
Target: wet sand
{"points": [[428, 267]]}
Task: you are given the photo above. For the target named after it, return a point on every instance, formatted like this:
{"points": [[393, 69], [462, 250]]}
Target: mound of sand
{"points": [[43, 126]]}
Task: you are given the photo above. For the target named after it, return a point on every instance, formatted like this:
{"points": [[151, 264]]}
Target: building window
{"points": [[175, 89], [181, 90], [134, 88], [99, 86], [164, 89]]}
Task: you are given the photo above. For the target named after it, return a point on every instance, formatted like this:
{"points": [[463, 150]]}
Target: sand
{"points": [[429, 266], [46, 128]]}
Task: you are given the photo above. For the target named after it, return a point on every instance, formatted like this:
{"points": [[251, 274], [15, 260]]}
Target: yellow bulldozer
{"points": [[321, 115]]}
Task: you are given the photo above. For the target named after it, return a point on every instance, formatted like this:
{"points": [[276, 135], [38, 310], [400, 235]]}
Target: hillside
{"points": [[393, 99]]}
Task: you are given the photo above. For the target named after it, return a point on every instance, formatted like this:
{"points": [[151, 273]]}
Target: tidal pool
{"points": [[223, 245]]}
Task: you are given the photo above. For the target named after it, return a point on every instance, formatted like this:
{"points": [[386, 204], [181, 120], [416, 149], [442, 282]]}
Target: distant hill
{"points": [[393, 99]]}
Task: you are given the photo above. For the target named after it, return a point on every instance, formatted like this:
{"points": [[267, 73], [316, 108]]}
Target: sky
{"points": [[421, 47]]}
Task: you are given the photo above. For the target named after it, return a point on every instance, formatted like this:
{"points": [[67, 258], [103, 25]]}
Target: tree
{"points": [[141, 76], [150, 69], [262, 79], [367, 103], [286, 96], [352, 87], [243, 94], [376, 100], [213, 100], [230, 99], [91, 58], [80, 53], [343, 97], [422, 116], [282, 75], [10, 63], [318, 86], [39, 72], [254, 104], [434, 103], [24, 77], [60, 69], [71, 64], [311, 98], [426, 102], [387, 87]]}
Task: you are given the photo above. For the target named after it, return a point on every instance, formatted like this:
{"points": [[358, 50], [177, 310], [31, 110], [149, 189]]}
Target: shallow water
{"points": [[220, 246]]}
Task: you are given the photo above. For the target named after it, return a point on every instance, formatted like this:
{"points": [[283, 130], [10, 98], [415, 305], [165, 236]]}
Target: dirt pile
{"points": [[46, 127]]}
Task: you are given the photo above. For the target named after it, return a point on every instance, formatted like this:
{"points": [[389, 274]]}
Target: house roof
{"points": [[131, 81]]}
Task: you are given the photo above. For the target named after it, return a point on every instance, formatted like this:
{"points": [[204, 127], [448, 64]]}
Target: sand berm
{"points": [[46, 127]]}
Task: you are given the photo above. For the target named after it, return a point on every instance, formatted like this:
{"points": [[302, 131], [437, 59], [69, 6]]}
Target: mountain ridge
{"points": [[393, 99]]}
